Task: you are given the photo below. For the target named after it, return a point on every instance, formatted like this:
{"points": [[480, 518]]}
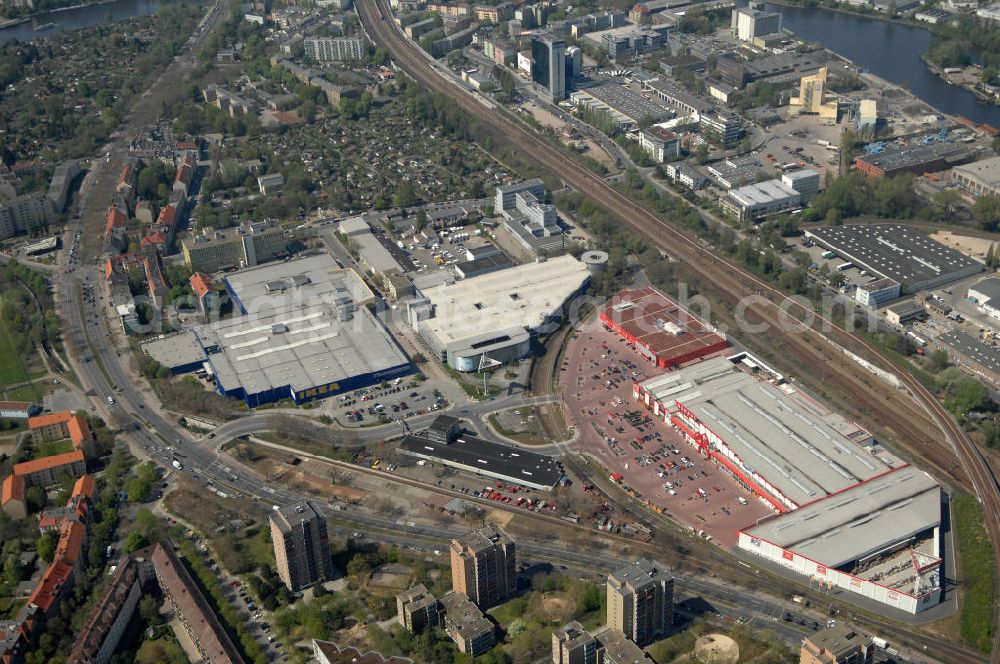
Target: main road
{"points": [[809, 347]]}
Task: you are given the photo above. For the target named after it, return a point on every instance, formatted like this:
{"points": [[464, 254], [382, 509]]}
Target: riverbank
{"points": [[969, 78], [843, 8]]}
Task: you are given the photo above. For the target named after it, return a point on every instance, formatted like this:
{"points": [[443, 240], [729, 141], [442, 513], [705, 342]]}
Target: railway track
{"points": [[909, 418]]}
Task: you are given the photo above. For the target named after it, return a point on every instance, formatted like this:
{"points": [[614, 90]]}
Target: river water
{"points": [[77, 17], [889, 50]]}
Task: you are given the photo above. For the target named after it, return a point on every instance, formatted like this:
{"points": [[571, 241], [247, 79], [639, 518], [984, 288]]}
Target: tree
{"points": [[46, 546], [986, 211], [359, 566], [36, 498], [939, 360], [969, 396], [134, 542]]}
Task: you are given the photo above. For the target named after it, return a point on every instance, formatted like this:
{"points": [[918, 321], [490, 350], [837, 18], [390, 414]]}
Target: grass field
{"points": [[978, 572], [12, 369], [51, 447], [33, 391]]}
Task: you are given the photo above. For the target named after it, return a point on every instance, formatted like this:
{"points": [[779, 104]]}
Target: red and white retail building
{"points": [[868, 523]]}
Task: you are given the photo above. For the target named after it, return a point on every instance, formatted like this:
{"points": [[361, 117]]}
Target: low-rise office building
{"points": [[243, 246], [660, 144], [877, 292], [756, 201]]}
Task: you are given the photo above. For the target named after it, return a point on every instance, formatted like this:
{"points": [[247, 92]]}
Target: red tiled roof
{"points": [[85, 486], [125, 175], [71, 542], [15, 405], [156, 238], [13, 489], [48, 419], [167, 216], [201, 284], [78, 428], [53, 579], [54, 461]]}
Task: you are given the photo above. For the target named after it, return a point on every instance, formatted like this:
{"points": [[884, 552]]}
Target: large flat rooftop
{"points": [[523, 296], [897, 252], [515, 464], [860, 521], [299, 346], [278, 285], [660, 325], [973, 350], [799, 447]]}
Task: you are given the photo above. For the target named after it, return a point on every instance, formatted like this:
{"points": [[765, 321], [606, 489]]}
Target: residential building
{"points": [[245, 246], [51, 469], [204, 289], [109, 619], [25, 213], [493, 13], [416, 609], [838, 644], [471, 631], [12, 497], [812, 99], [614, 647], [641, 601], [62, 181], [980, 178], [548, 69], [748, 24], [484, 566], [457, 10], [156, 279], [328, 652], [660, 144], [56, 426], [571, 644], [271, 185], [336, 49], [301, 546]]}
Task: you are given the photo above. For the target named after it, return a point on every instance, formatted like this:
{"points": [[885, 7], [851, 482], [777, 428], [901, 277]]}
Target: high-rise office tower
{"points": [[548, 69]]}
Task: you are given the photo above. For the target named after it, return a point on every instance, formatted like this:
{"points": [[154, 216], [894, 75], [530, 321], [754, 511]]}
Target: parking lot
{"points": [[396, 400], [651, 458]]}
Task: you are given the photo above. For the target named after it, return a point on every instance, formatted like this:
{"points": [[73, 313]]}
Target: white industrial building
{"points": [[879, 539], [980, 178], [498, 313], [756, 201], [822, 474], [986, 295], [748, 24], [805, 181], [877, 292]]}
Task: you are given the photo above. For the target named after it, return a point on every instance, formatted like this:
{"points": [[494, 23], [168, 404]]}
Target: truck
{"points": [[879, 642], [177, 464], [829, 254], [844, 266]]}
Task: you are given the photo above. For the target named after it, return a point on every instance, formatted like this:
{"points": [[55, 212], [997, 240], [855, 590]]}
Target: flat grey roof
{"points": [[464, 615], [988, 287], [175, 351], [279, 284], [973, 349], [797, 445], [627, 101], [860, 521], [984, 171], [522, 296], [373, 252], [907, 307], [296, 514], [897, 252], [300, 346]]}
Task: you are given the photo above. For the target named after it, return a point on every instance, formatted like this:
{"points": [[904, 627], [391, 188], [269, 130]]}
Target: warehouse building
{"points": [[443, 442], [756, 201], [986, 295], [776, 441], [879, 539], [905, 312], [497, 314], [896, 252], [913, 159], [304, 333], [980, 178], [665, 333], [973, 355]]}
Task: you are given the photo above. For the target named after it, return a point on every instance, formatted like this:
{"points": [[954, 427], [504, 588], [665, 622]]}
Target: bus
{"points": [[844, 266]]}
